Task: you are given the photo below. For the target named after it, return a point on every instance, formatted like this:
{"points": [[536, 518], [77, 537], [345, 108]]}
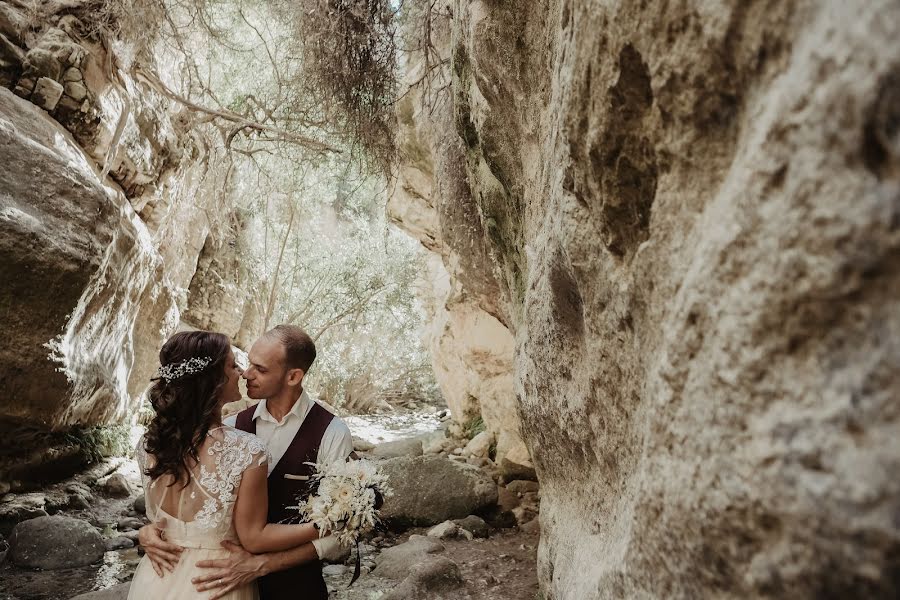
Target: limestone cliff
{"points": [[693, 212], [96, 269], [470, 344]]}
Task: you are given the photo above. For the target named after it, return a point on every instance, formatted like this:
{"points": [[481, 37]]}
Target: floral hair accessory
{"points": [[179, 369]]}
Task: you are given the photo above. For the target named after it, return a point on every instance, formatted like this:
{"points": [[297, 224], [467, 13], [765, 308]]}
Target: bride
{"points": [[204, 482]]}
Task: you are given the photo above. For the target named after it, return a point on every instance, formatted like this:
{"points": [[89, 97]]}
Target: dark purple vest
{"points": [[304, 581]]}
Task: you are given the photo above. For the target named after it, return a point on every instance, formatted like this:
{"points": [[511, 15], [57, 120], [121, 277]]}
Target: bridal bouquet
{"points": [[347, 499]]}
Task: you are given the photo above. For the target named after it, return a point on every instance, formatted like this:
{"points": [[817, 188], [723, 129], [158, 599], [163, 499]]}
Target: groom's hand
{"points": [[163, 555], [240, 568]]}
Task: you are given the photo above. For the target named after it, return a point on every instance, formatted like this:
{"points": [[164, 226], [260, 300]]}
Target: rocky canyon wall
{"points": [[688, 216], [470, 343], [97, 271]]}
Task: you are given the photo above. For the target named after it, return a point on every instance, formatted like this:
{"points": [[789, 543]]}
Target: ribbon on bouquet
{"points": [[358, 567]]}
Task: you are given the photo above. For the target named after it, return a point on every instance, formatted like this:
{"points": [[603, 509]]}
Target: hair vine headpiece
{"points": [[173, 371]]}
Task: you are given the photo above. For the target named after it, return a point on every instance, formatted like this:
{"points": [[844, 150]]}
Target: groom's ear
{"points": [[295, 376]]}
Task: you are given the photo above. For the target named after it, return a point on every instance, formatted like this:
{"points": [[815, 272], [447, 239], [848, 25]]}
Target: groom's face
{"points": [[267, 374]]}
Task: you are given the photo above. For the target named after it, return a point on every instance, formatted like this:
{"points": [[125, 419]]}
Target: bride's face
{"points": [[231, 392]]}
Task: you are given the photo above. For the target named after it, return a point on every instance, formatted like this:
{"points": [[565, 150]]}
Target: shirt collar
{"points": [[300, 409]]}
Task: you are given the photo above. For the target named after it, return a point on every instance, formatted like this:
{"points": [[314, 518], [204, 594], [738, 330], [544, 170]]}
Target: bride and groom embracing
{"points": [[218, 491]]}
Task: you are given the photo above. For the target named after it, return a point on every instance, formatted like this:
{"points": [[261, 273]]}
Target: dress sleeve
{"points": [[259, 454]]}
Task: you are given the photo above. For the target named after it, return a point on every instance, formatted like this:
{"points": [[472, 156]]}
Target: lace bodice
{"points": [[206, 504]]}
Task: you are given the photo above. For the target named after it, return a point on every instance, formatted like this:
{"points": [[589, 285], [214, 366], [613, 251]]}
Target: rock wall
{"points": [[96, 270], [470, 344], [693, 212], [472, 356], [218, 297]]}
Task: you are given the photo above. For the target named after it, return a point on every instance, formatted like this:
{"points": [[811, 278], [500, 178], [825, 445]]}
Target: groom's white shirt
{"points": [[337, 444]]}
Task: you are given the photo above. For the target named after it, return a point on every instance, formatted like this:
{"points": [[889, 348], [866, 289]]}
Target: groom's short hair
{"points": [[299, 348]]}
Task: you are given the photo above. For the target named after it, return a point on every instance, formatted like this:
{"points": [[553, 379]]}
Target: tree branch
{"points": [[244, 123]]}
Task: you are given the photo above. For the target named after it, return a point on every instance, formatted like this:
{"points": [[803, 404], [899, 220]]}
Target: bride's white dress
{"points": [[198, 516]]}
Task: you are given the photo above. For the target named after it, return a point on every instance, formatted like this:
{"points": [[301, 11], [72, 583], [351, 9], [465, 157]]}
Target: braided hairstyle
{"points": [[187, 406]]}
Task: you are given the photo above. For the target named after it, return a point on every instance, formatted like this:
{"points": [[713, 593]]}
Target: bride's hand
{"points": [[162, 554]]}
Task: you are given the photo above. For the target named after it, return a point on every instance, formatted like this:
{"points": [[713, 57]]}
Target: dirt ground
{"points": [[501, 567]]}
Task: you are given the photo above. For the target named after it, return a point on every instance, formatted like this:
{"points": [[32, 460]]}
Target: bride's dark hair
{"points": [[185, 406]]}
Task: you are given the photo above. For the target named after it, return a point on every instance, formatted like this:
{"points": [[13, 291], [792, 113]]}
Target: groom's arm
{"points": [[337, 443], [242, 568], [336, 446]]}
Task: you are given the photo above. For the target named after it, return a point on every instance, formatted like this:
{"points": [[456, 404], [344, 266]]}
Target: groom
{"points": [[297, 430]]}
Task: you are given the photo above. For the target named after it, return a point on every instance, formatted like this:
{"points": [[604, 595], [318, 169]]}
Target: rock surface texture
{"points": [[692, 211], [471, 346], [55, 543], [97, 269], [431, 489], [117, 592]]}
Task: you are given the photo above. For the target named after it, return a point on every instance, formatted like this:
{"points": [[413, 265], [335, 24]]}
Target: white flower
{"points": [[345, 501], [344, 492]]}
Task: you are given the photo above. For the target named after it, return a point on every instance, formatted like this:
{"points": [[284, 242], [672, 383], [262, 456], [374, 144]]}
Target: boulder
{"points": [[522, 486], [433, 443], [127, 523], [116, 592], [15, 508], [428, 580], [47, 93], [55, 542], [404, 447], [531, 527], [479, 445], [479, 461], [396, 562], [516, 464], [475, 525], [432, 489], [116, 485], [334, 570], [140, 504], [506, 499], [119, 543], [62, 204], [78, 496], [132, 535], [444, 531], [75, 90], [524, 514]]}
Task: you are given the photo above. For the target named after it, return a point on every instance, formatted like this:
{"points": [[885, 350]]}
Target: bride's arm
{"points": [[250, 516]]}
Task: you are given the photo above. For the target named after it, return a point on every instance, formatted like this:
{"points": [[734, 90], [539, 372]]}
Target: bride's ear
{"points": [[295, 376]]}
